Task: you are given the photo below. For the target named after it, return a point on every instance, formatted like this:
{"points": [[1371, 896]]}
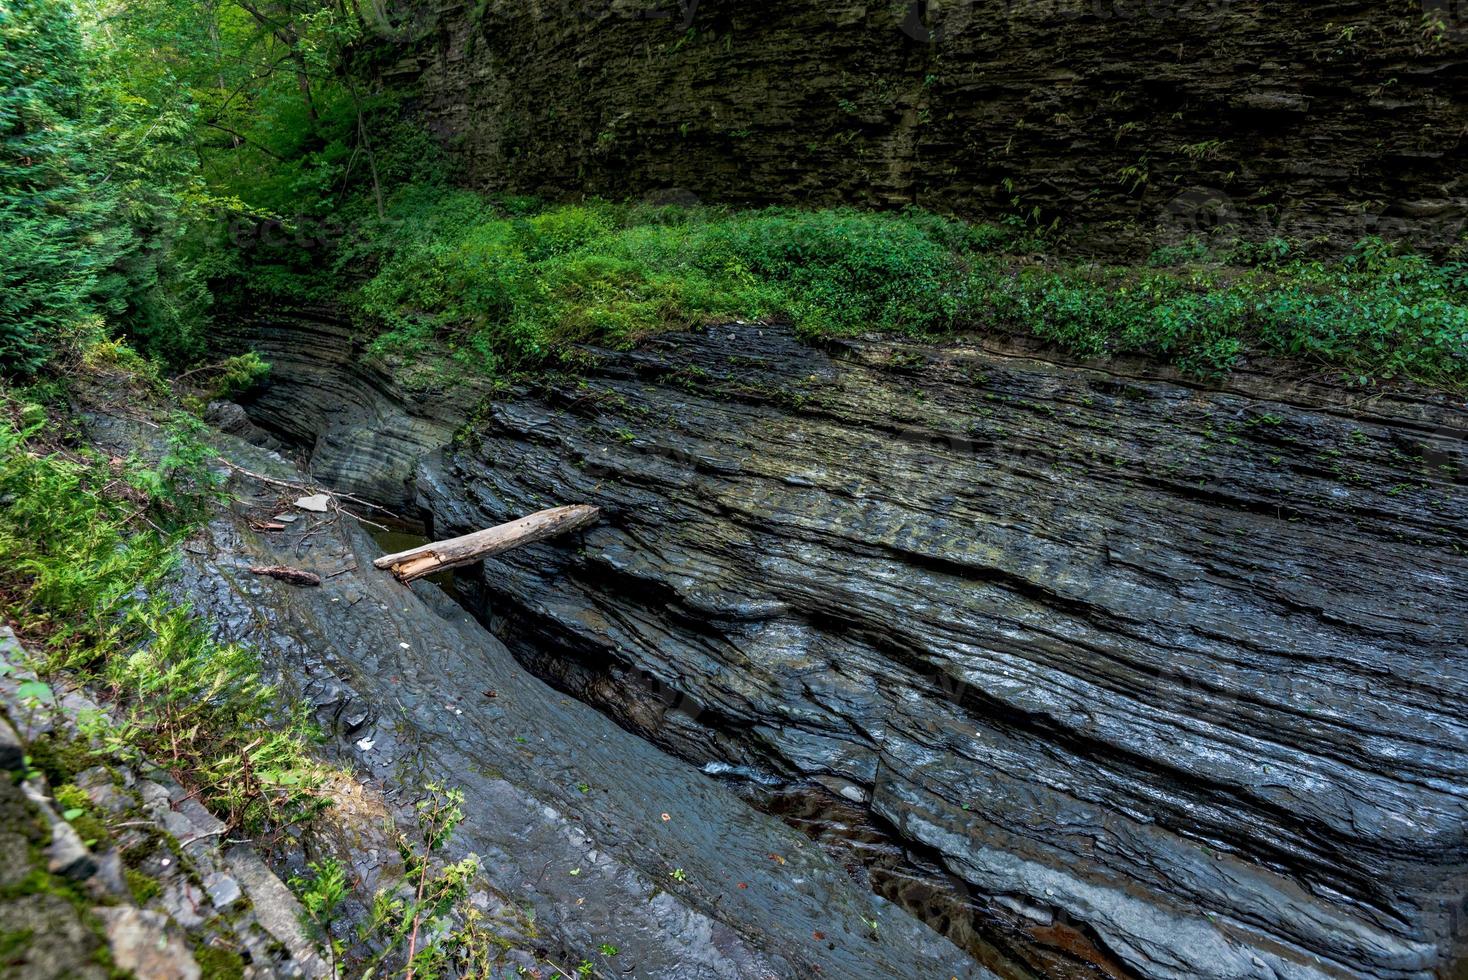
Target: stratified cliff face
{"points": [[1182, 666], [593, 837], [1171, 678], [1130, 122]]}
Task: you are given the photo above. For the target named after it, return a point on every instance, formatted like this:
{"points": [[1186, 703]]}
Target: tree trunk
{"points": [[303, 82], [429, 558]]}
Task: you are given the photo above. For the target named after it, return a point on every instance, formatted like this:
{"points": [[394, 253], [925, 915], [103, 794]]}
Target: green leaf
{"points": [[34, 691]]}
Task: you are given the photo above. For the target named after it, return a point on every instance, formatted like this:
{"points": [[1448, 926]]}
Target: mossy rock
{"points": [[143, 887], [44, 935], [60, 759], [216, 963]]}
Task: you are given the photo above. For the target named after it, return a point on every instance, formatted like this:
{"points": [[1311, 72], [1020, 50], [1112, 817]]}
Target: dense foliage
{"points": [[140, 143], [165, 154], [507, 283], [54, 205]]}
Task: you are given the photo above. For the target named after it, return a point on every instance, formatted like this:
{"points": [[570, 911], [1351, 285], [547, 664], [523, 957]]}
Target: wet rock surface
{"points": [[1174, 675], [362, 435], [601, 837]]}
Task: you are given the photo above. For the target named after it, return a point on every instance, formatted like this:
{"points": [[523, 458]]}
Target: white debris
{"points": [[316, 502]]}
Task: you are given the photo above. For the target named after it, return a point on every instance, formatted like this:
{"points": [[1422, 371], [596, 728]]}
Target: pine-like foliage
{"points": [[57, 233]]}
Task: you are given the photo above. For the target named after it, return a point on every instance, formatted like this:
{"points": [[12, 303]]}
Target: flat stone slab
{"points": [[144, 942]]}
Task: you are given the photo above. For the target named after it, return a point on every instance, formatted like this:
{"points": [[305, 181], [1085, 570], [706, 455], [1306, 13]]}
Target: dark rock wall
{"points": [[323, 393], [1182, 667], [1172, 678], [594, 835], [1129, 122]]}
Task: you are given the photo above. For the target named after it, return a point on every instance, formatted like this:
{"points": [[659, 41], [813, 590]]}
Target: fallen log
{"points": [[426, 559], [285, 573]]}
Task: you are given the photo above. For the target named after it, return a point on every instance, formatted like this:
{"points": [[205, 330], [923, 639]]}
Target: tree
{"points": [[130, 135], [56, 237]]}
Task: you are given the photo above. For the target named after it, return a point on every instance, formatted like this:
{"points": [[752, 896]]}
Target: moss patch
{"points": [[143, 887], [216, 963], [60, 759]]}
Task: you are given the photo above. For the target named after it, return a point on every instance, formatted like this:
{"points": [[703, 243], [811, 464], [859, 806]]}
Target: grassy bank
{"points": [[84, 544], [506, 283]]}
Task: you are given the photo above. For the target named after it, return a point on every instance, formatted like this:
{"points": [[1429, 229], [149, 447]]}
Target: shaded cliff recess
{"points": [[1128, 123]]}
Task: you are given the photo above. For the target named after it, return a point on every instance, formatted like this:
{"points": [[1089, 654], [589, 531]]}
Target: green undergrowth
{"points": [[424, 926], [85, 541], [509, 283]]}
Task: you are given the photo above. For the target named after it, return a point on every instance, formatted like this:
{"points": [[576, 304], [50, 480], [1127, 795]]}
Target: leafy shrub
{"points": [[409, 929], [96, 186], [1189, 250], [508, 289]]}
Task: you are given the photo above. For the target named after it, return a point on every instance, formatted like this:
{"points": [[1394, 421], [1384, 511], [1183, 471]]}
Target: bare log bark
{"points": [[439, 555], [285, 573]]}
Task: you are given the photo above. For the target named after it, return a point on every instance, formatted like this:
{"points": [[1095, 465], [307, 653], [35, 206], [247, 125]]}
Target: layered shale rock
{"points": [[1171, 677], [602, 839], [1129, 122], [1174, 674], [362, 434]]}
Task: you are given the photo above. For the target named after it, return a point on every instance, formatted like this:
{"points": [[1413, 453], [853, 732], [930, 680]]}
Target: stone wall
{"points": [[1128, 121]]}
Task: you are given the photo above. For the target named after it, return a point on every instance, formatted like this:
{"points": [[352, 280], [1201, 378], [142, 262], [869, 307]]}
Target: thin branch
{"points": [[267, 71], [295, 485], [199, 370], [283, 32], [366, 144], [241, 136]]}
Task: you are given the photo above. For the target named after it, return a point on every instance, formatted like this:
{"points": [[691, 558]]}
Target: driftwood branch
{"points": [[439, 555], [285, 573], [336, 495]]}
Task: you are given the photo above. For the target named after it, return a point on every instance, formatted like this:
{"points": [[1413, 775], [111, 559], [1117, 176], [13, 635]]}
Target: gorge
{"points": [[1103, 643], [1020, 450]]}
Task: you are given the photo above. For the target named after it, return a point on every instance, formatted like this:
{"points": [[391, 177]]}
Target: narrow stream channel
{"points": [[1004, 940]]}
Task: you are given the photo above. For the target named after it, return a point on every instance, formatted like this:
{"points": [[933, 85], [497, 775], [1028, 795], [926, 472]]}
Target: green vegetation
{"points": [[507, 284], [52, 220], [83, 542], [219, 964], [165, 159], [409, 930], [97, 185], [143, 146]]}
